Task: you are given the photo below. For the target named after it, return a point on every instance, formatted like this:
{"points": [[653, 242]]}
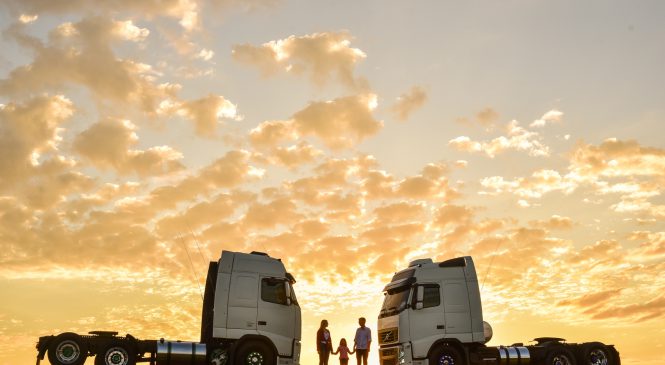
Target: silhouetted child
{"points": [[343, 352]]}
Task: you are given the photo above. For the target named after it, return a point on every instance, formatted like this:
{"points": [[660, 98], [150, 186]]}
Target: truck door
{"points": [[426, 318], [456, 307], [243, 298], [277, 313]]}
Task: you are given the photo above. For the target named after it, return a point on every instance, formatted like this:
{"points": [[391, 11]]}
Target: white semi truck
{"points": [[432, 315], [250, 316]]}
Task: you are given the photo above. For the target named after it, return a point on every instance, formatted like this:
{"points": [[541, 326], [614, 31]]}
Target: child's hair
{"points": [[342, 342]]}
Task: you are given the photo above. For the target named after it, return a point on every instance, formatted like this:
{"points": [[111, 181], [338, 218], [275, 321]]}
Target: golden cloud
{"points": [[321, 55], [81, 54], [107, 144], [517, 139], [207, 113], [408, 102]]}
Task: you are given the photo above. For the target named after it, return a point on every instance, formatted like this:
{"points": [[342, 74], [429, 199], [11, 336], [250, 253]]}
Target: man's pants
{"points": [[361, 354]]}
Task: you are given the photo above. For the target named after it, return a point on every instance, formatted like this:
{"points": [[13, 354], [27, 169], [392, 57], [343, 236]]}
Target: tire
{"points": [[67, 349], [446, 355], [595, 353], [254, 353], [116, 353], [559, 355]]}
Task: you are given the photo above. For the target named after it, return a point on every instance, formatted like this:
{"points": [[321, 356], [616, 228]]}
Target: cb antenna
{"points": [[191, 264]]}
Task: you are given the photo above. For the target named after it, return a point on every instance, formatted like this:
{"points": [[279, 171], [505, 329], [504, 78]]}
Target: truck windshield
{"points": [[395, 301]]}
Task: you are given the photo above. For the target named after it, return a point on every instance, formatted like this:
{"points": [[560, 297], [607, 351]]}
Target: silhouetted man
{"points": [[362, 341]]}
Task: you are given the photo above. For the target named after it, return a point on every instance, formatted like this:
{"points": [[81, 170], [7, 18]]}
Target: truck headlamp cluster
{"points": [[401, 356]]}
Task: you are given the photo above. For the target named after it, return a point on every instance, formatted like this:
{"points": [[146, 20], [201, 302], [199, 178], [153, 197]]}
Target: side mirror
{"points": [[420, 293]]}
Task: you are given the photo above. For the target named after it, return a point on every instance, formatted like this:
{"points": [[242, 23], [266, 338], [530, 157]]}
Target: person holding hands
{"points": [[362, 342], [343, 352]]}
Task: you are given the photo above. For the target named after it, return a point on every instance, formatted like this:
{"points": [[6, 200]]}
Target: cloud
{"points": [[552, 116], [187, 11], [399, 212], [616, 158], [538, 184], [207, 113], [280, 211], [517, 139], [196, 216], [487, 118], [28, 131], [295, 155], [81, 54], [320, 55], [614, 167], [592, 300], [651, 309], [339, 123], [408, 102], [107, 144], [554, 222], [652, 245], [271, 133]]}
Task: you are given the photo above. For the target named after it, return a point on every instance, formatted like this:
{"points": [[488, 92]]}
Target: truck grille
{"points": [[388, 356], [388, 335]]}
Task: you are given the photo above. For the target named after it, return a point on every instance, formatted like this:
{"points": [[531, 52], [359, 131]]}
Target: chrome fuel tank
{"points": [[180, 353], [514, 355]]}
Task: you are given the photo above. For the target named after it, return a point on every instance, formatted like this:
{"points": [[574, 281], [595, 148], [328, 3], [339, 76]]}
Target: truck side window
{"points": [[431, 296], [273, 291]]}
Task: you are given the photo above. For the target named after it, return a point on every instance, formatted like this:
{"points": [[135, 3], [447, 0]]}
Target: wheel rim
{"points": [[561, 360], [446, 359], [254, 358], [116, 356], [68, 352], [597, 357]]}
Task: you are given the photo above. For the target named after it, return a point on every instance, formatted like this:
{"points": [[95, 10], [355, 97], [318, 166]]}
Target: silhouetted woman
{"points": [[323, 343]]}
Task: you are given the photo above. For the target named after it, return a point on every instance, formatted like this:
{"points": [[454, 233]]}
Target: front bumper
{"points": [[399, 354]]}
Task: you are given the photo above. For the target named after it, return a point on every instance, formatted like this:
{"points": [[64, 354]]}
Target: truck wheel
{"points": [[445, 355], [595, 353], [67, 349], [254, 353], [559, 355], [116, 353]]}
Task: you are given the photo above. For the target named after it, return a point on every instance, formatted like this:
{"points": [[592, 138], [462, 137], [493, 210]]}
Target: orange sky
{"points": [[344, 138]]}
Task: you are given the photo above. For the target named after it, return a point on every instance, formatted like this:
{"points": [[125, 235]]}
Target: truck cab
{"points": [[254, 303], [428, 303]]}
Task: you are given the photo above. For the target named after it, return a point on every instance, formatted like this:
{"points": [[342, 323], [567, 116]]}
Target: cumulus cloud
{"points": [[207, 113], [294, 155], [554, 222], [517, 139], [81, 54], [616, 158], [651, 245], [408, 102], [552, 116], [622, 168], [339, 123], [320, 55], [108, 145], [186, 11], [199, 215], [487, 118], [27, 131], [539, 183]]}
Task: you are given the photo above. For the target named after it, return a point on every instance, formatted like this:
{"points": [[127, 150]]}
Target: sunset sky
{"points": [[344, 137]]}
